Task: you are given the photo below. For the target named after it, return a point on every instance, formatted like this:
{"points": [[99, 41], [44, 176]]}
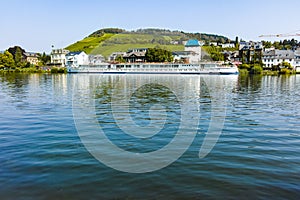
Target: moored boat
{"points": [[154, 68]]}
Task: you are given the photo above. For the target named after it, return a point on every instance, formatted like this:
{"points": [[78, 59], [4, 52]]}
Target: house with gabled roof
{"points": [[32, 58], [275, 57], [136, 55], [58, 57], [77, 58]]}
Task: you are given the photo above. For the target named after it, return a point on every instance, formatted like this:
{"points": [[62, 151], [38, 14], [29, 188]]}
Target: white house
{"points": [[228, 45], [276, 57], [77, 58], [96, 59], [58, 57], [297, 60], [195, 47]]}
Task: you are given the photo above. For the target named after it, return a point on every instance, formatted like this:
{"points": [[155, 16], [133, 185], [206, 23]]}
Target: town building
{"points": [[77, 58], [227, 45], [276, 57], [58, 57], [114, 55], [297, 60], [231, 56], [195, 47], [250, 52], [96, 59], [32, 58], [136, 55]]}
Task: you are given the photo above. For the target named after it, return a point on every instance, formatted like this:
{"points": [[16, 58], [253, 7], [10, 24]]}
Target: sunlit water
{"points": [[256, 156]]}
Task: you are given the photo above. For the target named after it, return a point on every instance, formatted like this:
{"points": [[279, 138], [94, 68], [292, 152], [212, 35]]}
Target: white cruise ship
{"points": [[154, 68]]}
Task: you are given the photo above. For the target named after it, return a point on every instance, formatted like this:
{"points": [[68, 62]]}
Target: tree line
{"points": [[15, 57], [282, 45]]}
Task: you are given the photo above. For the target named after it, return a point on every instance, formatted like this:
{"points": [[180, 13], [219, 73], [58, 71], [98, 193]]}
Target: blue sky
{"points": [[36, 25]]}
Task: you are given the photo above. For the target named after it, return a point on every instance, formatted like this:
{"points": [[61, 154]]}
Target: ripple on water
{"points": [[257, 155]]}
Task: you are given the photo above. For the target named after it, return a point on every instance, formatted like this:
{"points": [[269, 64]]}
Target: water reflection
{"points": [[144, 109]]}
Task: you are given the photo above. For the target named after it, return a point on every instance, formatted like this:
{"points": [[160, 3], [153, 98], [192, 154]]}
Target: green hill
{"points": [[107, 41]]}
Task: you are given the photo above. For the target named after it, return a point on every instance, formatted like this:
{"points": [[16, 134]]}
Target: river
{"points": [[82, 136]]}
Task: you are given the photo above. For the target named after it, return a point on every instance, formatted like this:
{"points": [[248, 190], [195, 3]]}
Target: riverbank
{"points": [[269, 72], [34, 70]]}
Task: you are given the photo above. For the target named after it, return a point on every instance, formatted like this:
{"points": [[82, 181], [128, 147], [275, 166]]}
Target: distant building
{"points": [[136, 55], [95, 59], [58, 57], [114, 55], [297, 60], [228, 45], [195, 47], [232, 56], [250, 52], [32, 58], [77, 58], [275, 57], [214, 44]]}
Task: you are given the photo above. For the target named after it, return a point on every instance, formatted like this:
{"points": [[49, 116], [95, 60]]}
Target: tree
{"points": [[158, 55], [18, 55], [286, 65], [244, 66], [6, 60], [44, 59], [256, 69], [267, 44], [236, 42]]}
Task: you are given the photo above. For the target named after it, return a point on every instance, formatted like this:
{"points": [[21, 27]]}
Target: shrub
{"points": [[54, 70], [61, 70], [256, 69], [243, 71], [285, 71], [244, 66]]}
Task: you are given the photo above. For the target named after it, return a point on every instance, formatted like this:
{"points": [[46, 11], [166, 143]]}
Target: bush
{"points": [[243, 71], [61, 70], [285, 71], [244, 66], [54, 70], [58, 70], [256, 69]]}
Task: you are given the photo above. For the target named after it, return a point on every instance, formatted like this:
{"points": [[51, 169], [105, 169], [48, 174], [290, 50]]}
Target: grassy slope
{"points": [[109, 43], [88, 44]]}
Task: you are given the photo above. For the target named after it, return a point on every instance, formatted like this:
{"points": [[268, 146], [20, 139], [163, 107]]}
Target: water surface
{"points": [[256, 156]]}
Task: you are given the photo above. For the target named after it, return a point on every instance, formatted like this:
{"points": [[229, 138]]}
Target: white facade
{"points": [[58, 57], [193, 46], [228, 45], [297, 61], [275, 57], [74, 59]]}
